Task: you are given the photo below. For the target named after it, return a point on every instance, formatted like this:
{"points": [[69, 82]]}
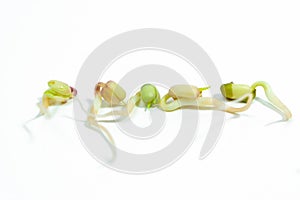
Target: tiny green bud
{"points": [[233, 91], [150, 95]]}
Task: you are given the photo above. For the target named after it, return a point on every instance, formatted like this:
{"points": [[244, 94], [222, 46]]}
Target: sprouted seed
{"points": [[58, 93], [233, 91], [114, 95], [150, 95]]}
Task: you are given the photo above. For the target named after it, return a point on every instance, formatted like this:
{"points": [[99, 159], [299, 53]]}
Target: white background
{"points": [[248, 41]]}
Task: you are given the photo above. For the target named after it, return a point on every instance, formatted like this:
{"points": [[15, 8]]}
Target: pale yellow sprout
{"points": [[189, 96], [233, 91]]}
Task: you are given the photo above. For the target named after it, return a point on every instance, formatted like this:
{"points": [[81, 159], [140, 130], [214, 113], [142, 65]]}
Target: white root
{"points": [[92, 123], [273, 99], [126, 110]]}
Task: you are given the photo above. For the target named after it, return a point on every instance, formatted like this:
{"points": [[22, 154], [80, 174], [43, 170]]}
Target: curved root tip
{"points": [[274, 99]]}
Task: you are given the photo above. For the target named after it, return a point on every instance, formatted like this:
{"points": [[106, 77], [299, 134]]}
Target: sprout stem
{"points": [[273, 99], [203, 103]]}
